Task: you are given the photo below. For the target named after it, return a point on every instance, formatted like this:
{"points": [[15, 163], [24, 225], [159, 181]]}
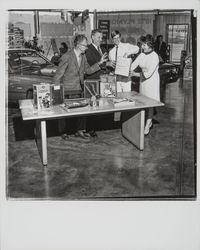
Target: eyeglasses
{"points": [[83, 45]]}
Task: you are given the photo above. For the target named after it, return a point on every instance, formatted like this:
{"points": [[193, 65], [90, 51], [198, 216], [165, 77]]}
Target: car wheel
{"points": [[29, 94]]}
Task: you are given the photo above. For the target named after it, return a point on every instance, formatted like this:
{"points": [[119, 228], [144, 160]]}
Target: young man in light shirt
{"points": [[120, 50]]}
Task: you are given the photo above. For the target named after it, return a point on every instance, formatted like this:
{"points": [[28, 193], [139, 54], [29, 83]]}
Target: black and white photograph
{"points": [[100, 114], [145, 148]]}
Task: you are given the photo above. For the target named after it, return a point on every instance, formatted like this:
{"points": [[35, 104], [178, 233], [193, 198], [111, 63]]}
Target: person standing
{"points": [[161, 48], [63, 49], [70, 73], [148, 61], [94, 53], [121, 50], [55, 59]]}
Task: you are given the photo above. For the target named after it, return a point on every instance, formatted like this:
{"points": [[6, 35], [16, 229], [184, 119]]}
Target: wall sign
{"points": [[131, 26], [104, 26]]}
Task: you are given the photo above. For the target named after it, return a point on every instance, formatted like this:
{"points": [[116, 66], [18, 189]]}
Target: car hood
{"points": [[49, 70], [167, 65]]}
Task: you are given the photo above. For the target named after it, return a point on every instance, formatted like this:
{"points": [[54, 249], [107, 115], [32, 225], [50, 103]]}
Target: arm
{"points": [[97, 66], [131, 49], [111, 54], [90, 56], [90, 69], [135, 63], [61, 69], [151, 67], [111, 59], [134, 66]]}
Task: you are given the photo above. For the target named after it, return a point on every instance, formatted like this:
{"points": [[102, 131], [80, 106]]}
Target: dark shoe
{"points": [[93, 134], [81, 134], [86, 134], [65, 136], [155, 121]]}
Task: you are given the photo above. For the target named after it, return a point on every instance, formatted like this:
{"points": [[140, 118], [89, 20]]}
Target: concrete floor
{"points": [[108, 167]]}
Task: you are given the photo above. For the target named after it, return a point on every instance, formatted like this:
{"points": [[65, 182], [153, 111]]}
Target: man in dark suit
{"points": [[161, 48], [94, 53], [70, 73]]}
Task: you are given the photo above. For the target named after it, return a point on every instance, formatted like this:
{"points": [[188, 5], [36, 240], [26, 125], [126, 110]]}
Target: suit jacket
{"points": [[161, 50], [70, 74], [93, 56]]}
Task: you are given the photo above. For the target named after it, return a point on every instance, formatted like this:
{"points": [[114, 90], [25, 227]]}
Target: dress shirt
{"points": [[98, 48], [78, 57], [124, 50]]}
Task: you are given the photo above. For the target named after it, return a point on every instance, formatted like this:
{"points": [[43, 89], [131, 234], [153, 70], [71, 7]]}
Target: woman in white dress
{"points": [[148, 61]]}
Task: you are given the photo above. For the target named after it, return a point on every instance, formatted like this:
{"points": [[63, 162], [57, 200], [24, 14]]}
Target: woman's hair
{"points": [[148, 39], [114, 33]]}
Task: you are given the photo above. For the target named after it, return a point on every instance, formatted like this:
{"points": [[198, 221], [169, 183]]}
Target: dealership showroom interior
{"points": [[82, 119]]}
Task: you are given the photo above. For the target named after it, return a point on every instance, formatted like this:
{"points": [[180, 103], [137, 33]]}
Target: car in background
{"points": [[168, 72], [25, 68]]}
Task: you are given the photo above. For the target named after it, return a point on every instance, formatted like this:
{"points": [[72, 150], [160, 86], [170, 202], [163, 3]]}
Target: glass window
{"points": [[177, 36]]}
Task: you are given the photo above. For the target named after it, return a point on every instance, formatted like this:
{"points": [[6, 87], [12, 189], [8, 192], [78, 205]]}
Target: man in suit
{"points": [[161, 48], [93, 54], [70, 72]]}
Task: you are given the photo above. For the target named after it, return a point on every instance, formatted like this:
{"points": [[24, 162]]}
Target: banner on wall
{"points": [[83, 28], [62, 32], [131, 26]]}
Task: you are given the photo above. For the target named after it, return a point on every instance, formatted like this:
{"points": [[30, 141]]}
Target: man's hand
{"points": [[104, 58], [133, 73], [111, 64]]}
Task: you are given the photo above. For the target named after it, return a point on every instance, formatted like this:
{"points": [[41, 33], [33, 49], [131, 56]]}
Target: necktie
{"points": [[116, 53], [99, 50], [79, 60], [160, 46]]}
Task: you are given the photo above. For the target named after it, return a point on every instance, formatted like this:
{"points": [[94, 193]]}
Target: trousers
{"points": [[71, 125]]}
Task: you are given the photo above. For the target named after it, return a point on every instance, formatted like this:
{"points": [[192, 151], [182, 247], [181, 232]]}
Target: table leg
{"points": [[41, 140], [133, 127]]}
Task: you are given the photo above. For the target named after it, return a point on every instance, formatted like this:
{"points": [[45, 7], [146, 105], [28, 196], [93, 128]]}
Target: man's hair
{"points": [[114, 33], [148, 39], [64, 45], [95, 31], [79, 38]]}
